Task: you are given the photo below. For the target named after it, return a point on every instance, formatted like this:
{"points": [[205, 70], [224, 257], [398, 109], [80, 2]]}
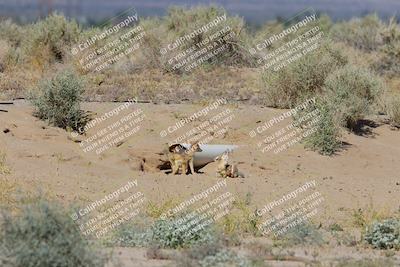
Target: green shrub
{"points": [[394, 111], [389, 62], [58, 101], [44, 235], [132, 235], [384, 234], [352, 93], [54, 35], [301, 234], [149, 54], [164, 234], [302, 78], [167, 234], [180, 22], [11, 32], [326, 135], [362, 33]]}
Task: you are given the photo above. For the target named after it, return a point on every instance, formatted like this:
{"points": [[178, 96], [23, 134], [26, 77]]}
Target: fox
{"points": [[224, 169], [180, 157]]}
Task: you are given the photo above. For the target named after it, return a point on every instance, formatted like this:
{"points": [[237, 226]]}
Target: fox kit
{"points": [[180, 157], [224, 169]]}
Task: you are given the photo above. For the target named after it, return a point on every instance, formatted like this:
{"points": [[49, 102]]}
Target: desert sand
{"points": [[48, 159]]}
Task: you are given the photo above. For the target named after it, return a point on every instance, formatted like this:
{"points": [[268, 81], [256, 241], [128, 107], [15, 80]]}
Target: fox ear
{"points": [[217, 158]]}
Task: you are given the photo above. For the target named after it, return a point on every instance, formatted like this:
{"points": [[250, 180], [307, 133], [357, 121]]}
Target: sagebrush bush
{"points": [[325, 137], [384, 234], [302, 234], [180, 22], [305, 77], [352, 93], [362, 33], [58, 101], [393, 110], [43, 234], [132, 235], [149, 54], [51, 39], [164, 234], [4, 50], [11, 32], [389, 62]]}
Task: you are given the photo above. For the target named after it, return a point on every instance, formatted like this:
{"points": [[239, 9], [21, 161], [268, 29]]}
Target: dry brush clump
{"points": [[393, 110], [389, 61], [346, 96], [50, 40], [305, 77], [3, 166], [353, 94], [180, 22], [362, 33]]}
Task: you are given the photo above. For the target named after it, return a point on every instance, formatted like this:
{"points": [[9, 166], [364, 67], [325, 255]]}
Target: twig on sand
{"points": [[3, 110], [6, 103], [286, 258]]}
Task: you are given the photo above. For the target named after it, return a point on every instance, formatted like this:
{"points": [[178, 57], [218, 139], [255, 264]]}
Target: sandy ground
{"points": [[46, 158]]}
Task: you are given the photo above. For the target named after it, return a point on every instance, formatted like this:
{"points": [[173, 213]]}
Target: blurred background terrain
{"points": [[255, 12]]}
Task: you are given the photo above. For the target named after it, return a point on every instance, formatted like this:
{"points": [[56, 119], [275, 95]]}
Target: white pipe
{"points": [[209, 153]]}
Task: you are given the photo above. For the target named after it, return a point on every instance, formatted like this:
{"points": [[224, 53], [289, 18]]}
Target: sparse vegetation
{"points": [[44, 235], [50, 40], [163, 233], [366, 263], [394, 111], [325, 134], [303, 78], [7, 191], [3, 167], [213, 255], [353, 94], [167, 233], [389, 61], [302, 234], [362, 33], [58, 101]]}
